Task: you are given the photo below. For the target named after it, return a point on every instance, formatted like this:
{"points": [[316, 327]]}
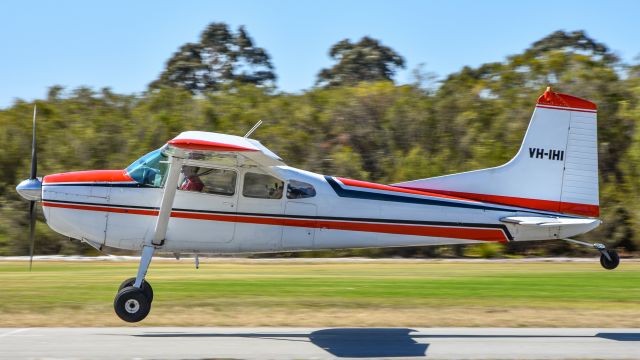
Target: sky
{"points": [[125, 44]]}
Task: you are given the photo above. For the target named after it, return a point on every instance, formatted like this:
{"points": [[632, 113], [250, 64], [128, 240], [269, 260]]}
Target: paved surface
{"points": [[303, 343]]}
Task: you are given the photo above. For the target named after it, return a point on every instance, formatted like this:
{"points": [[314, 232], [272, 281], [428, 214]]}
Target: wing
{"points": [[200, 143]]}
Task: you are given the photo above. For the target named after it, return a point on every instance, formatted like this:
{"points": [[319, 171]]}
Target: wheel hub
{"points": [[132, 306]]}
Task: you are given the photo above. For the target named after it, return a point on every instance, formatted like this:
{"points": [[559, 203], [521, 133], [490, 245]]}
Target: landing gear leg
{"points": [[133, 301], [609, 259]]}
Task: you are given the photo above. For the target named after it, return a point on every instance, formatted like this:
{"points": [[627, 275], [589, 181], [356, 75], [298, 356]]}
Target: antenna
{"points": [[253, 128]]}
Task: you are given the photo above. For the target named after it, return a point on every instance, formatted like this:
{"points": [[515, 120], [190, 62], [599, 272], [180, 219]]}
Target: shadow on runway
{"points": [[620, 336], [342, 342], [379, 342], [355, 343]]}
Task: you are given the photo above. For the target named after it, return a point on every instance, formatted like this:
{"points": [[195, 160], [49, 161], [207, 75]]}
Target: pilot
{"points": [[192, 181]]}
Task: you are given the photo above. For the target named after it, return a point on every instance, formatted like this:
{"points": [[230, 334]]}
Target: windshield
{"points": [[150, 169]]}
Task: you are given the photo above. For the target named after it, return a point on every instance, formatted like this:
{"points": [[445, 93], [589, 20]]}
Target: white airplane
{"points": [[210, 193]]}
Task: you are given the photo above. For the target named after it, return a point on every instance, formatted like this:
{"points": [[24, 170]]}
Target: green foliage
{"points": [[374, 131], [221, 58], [485, 251], [365, 60]]}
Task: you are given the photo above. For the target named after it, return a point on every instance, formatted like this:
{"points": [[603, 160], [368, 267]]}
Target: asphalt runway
{"points": [[321, 343]]}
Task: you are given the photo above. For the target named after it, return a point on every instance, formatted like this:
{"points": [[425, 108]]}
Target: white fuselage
{"points": [[341, 215]]}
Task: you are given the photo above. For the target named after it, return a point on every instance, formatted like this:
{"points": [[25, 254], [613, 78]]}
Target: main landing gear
{"points": [[134, 298], [133, 301], [609, 259]]}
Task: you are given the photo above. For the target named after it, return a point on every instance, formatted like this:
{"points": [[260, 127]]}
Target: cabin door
{"points": [[260, 208], [204, 208]]}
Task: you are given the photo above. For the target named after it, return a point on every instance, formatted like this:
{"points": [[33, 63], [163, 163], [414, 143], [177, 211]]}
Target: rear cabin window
{"points": [[208, 180], [300, 190], [262, 186]]}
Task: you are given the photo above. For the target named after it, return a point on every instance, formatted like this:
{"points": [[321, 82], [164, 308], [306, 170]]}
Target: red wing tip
{"points": [[564, 100], [196, 144]]}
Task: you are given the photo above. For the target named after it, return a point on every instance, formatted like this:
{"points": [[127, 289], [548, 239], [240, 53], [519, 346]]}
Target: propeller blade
{"points": [[32, 204], [34, 158], [32, 230]]}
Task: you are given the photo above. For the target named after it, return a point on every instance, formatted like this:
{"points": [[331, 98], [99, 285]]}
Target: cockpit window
{"points": [[300, 190], [150, 169]]}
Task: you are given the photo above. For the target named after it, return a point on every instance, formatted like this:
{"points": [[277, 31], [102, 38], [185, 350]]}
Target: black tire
{"points": [[131, 304], [610, 264], [146, 287]]}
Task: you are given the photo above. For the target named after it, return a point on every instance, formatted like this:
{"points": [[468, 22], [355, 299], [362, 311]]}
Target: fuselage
{"points": [[293, 210]]}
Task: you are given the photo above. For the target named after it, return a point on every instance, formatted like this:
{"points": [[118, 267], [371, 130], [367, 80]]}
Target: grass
{"points": [[299, 293]]}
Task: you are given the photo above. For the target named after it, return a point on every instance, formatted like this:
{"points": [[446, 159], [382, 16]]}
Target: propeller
{"points": [[31, 189], [32, 203], [34, 157]]}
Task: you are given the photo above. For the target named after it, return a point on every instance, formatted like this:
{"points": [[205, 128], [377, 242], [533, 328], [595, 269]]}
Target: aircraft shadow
{"points": [[372, 342], [342, 342], [378, 342]]}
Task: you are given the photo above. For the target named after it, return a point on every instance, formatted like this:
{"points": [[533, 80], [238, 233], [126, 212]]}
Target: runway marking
{"points": [[13, 332]]}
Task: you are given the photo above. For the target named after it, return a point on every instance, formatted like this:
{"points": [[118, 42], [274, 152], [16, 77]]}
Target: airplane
{"points": [[212, 193]]}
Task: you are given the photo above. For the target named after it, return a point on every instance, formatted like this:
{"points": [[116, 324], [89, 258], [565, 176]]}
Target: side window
{"points": [[210, 181], [300, 190], [262, 186]]}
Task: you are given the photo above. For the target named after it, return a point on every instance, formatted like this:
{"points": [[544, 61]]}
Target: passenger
{"points": [[192, 181], [276, 191]]}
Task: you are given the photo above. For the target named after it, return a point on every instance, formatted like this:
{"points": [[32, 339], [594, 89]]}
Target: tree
{"points": [[366, 60], [574, 41], [373, 131], [220, 58]]}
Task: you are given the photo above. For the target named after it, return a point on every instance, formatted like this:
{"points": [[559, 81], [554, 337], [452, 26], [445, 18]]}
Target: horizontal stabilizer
{"points": [[547, 221], [539, 227]]}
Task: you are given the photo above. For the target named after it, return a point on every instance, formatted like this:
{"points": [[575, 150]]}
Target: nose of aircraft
{"points": [[30, 189]]}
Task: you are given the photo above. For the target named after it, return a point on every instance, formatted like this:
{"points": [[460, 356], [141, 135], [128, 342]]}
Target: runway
{"points": [[320, 343]]}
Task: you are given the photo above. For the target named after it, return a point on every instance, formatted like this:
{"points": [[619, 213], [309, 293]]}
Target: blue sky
{"points": [[124, 44]]}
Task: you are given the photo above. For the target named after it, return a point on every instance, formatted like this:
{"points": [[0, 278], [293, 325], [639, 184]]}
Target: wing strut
{"points": [[160, 232]]}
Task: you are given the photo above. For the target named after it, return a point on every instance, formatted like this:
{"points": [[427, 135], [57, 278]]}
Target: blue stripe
{"points": [[369, 195]]}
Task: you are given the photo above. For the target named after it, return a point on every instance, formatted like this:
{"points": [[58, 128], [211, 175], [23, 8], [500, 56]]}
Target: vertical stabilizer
{"points": [[556, 168]]}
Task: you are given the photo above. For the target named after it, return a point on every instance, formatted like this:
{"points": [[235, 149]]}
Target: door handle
{"points": [[230, 204]]}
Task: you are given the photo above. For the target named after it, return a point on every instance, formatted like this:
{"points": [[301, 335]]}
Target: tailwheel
{"points": [[146, 287], [609, 259], [131, 304]]}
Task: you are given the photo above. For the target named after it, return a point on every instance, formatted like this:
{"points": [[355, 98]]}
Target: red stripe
{"points": [[580, 209], [566, 109], [564, 100], [370, 185], [102, 208], [480, 234], [194, 144], [89, 176], [546, 205]]}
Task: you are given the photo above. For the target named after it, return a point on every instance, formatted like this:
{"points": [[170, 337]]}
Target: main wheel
{"points": [[146, 287], [131, 304], [610, 264]]}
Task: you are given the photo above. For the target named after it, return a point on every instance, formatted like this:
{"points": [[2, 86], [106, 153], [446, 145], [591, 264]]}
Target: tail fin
{"points": [[556, 168]]}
